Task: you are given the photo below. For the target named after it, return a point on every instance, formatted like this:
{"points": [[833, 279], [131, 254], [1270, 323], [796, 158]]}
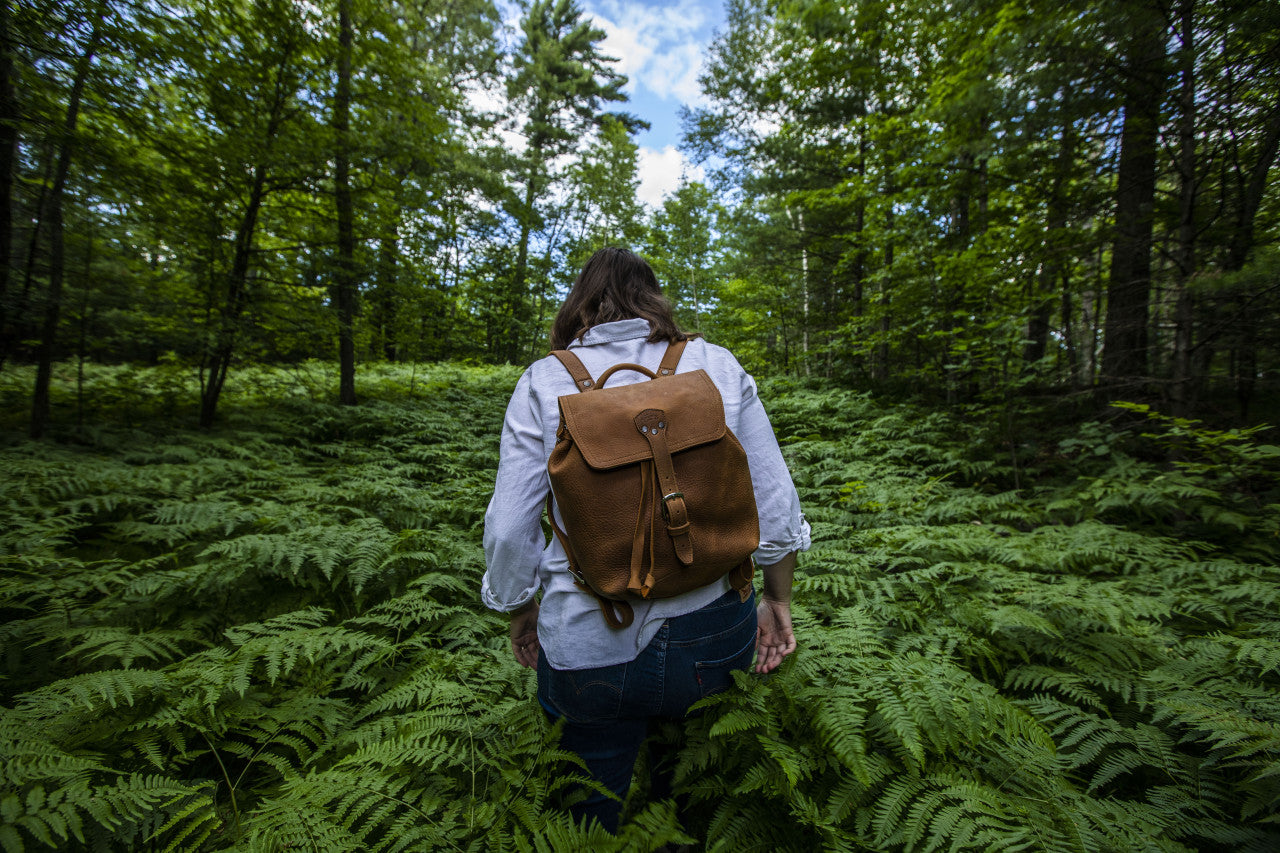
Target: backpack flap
{"points": [[631, 460], [602, 423]]}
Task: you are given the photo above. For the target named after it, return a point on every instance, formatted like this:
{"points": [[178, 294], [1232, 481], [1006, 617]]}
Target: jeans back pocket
{"points": [[713, 675], [587, 695]]}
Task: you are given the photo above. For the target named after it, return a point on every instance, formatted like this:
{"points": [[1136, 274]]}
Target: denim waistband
{"points": [[719, 616]]}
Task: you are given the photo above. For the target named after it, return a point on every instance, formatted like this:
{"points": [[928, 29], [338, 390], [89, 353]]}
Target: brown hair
{"points": [[615, 284]]}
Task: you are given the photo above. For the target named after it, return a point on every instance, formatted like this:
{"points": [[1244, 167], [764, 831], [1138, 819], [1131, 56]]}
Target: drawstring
{"points": [[648, 500], [637, 534]]}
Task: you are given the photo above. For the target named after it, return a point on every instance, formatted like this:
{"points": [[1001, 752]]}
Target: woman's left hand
{"points": [[524, 635]]}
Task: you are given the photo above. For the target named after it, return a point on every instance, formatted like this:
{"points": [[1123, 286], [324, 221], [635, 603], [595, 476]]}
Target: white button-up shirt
{"points": [[520, 560]]}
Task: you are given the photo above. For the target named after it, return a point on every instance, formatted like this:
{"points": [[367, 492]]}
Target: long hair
{"points": [[615, 284]]}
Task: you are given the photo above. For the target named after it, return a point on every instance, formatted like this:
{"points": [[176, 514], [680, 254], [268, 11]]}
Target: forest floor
{"points": [[269, 635]]}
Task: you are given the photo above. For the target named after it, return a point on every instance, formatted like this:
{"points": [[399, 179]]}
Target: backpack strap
{"points": [[740, 578], [653, 424], [581, 376], [671, 358]]}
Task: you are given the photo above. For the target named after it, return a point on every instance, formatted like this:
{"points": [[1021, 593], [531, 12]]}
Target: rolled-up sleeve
{"points": [[783, 527], [513, 539]]}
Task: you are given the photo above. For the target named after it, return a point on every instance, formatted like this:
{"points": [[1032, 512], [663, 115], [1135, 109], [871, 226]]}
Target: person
{"points": [[612, 685]]}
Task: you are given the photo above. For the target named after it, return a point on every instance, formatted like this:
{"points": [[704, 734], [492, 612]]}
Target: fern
{"points": [[269, 638], [52, 797]]}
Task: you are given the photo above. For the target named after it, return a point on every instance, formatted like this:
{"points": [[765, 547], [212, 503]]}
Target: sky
{"points": [[660, 45]]}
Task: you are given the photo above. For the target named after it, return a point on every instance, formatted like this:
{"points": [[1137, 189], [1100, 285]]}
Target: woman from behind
{"points": [[613, 685]]}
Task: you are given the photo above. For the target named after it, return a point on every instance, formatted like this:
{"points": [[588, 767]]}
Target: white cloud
{"points": [[626, 45], [493, 100], [675, 74], [660, 173], [659, 48]]}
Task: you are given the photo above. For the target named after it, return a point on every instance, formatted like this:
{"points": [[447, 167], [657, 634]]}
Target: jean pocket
{"points": [[587, 695], [713, 675]]}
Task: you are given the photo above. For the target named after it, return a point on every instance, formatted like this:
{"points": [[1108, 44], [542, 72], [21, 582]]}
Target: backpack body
{"points": [[653, 487]]}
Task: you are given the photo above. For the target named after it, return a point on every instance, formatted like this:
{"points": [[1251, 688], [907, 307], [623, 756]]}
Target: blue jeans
{"points": [[608, 710]]}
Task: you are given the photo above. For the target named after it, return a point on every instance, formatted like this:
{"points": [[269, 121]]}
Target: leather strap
{"points": [[740, 578], [618, 620], [581, 376], [652, 423], [637, 585], [671, 358], [604, 377]]}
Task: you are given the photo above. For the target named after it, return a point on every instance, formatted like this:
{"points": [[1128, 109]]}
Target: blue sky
{"points": [[661, 47]]}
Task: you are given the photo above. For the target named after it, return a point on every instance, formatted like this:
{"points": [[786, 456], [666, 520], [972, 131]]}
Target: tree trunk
{"points": [[233, 305], [1052, 270], [1184, 254], [1246, 348], [859, 224], [8, 162], [880, 360], [82, 343], [698, 304], [1252, 191], [345, 284], [237, 280], [1069, 338], [541, 321], [797, 224], [57, 259], [388, 248], [1124, 348], [520, 276], [961, 224]]}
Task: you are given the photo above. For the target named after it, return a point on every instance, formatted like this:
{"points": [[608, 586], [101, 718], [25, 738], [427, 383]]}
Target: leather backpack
{"points": [[653, 487]]}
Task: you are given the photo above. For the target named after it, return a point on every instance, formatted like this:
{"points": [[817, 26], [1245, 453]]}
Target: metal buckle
{"points": [[666, 512]]}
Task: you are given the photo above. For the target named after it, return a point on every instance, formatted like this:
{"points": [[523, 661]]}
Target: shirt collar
{"points": [[618, 330]]}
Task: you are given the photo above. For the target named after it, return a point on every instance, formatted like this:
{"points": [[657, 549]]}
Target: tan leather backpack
{"points": [[653, 487]]}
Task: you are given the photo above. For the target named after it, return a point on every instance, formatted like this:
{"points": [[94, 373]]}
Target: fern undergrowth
{"points": [[269, 637]]}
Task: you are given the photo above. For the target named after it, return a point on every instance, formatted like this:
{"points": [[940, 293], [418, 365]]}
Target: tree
{"points": [[244, 138], [682, 249], [416, 149], [8, 165], [606, 180], [344, 273], [559, 84], [52, 209], [969, 197], [1124, 350]]}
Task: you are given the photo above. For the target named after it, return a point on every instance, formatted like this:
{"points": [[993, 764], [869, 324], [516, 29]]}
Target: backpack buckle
{"points": [[666, 512]]}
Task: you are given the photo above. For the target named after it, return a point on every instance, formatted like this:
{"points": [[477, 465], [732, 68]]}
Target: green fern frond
{"points": [[92, 692], [124, 646]]}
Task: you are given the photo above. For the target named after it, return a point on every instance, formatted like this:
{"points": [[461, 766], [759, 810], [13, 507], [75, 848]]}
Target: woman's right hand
{"points": [[774, 638], [524, 634]]}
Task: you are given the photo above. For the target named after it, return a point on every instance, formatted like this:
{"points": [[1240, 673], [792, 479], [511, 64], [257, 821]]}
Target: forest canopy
{"points": [[970, 199]]}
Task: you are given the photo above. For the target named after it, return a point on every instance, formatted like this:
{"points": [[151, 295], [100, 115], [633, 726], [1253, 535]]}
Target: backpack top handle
{"points": [[582, 377]]}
